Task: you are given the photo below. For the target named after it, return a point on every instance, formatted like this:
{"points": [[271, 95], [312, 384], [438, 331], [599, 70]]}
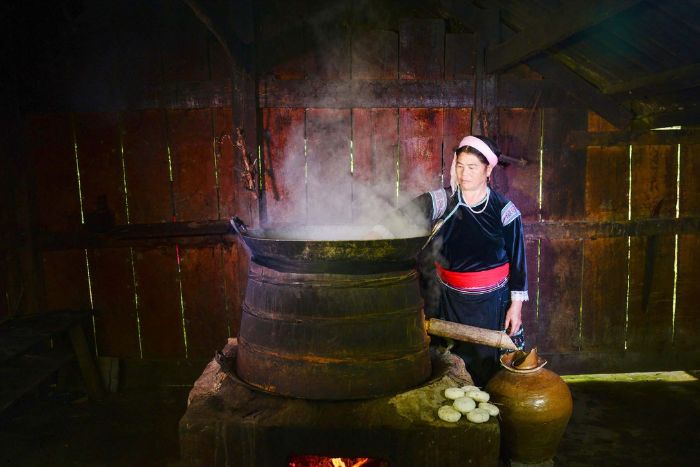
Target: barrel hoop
{"points": [[317, 359], [335, 282], [262, 314], [330, 267]]}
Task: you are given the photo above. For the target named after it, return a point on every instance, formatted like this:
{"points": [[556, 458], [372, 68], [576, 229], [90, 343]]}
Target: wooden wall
{"points": [[390, 101], [163, 299]]}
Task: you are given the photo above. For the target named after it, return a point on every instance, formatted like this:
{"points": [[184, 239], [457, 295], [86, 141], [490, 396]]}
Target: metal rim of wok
{"points": [[331, 256]]}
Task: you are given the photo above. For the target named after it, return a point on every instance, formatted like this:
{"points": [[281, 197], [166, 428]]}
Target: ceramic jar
{"points": [[535, 406]]}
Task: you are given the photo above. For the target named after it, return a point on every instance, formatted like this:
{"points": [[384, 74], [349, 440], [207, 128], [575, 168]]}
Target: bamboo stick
{"points": [[465, 333]]}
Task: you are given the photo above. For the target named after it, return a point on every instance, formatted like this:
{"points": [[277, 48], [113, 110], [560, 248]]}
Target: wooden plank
{"points": [[563, 169], [227, 177], [558, 327], [420, 153], [653, 181], [519, 138], [203, 294], [147, 167], [687, 316], [530, 310], [5, 293], [329, 46], [183, 44], [137, 48], [375, 136], [581, 139], [100, 160], [216, 232], [283, 152], [329, 183], [584, 92], [422, 49], [22, 334], [286, 40], [28, 372], [675, 79], [88, 370], [604, 287], [563, 194], [114, 300], [158, 289], [512, 92], [690, 181], [194, 174], [605, 267], [538, 35], [234, 263], [246, 121], [172, 95], [49, 139], [597, 123], [485, 114], [607, 172], [460, 55], [650, 304], [66, 279], [456, 126], [219, 63], [366, 93], [375, 54]]}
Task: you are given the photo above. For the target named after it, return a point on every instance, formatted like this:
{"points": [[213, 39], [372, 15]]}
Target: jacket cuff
{"points": [[519, 296]]}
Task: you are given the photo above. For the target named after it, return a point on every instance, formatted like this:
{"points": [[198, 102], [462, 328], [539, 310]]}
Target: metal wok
{"points": [[296, 249]]}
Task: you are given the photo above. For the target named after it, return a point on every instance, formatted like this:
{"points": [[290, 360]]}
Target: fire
{"points": [[320, 461]]}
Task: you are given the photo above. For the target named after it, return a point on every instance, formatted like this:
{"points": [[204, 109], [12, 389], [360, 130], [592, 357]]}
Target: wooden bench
{"points": [[31, 351]]}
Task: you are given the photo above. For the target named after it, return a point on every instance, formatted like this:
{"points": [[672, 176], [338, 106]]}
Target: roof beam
{"points": [[216, 18], [542, 34], [685, 117], [571, 82], [666, 81], [582, 91]]}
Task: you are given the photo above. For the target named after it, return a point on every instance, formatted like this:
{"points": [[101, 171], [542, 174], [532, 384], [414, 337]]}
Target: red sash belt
{"points": [[471, 280]]}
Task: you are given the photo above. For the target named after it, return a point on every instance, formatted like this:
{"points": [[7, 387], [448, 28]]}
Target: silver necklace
{"points": [[488, 196]]}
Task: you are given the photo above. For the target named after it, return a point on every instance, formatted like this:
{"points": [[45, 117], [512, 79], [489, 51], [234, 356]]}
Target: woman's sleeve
{"points": [[515, 247], [429, 206], [416, 213]]}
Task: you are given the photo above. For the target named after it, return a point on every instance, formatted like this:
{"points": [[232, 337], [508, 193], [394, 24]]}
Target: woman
{"points": [[480, 253]]}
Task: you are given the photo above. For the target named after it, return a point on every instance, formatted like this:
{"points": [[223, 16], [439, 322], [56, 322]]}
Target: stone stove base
{"points": [[229, 424]]}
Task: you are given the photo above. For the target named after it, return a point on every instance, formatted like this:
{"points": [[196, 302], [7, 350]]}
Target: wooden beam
{"points": [[512, 92], [583, 139], [666, 81], [576, 230], [544, 64], [582, 91], [485, 113], [689, 116], [365, 93], [216, 19], [545, 32], [196, 234]]}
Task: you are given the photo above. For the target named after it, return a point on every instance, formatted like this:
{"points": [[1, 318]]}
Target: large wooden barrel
{"points": [[332, 336]]}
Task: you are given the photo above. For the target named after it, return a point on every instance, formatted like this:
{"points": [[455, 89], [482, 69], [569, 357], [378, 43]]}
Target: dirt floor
{"points": [[615, 423]]}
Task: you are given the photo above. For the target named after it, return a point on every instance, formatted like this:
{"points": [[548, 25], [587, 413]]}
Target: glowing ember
{"points": [[321, 461]]}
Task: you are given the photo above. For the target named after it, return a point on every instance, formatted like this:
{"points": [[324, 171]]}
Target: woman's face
{"points": [[471, 172]]}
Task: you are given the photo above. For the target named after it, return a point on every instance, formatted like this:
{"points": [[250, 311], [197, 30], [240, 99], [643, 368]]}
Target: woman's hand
{"points": [[514, 317]]}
